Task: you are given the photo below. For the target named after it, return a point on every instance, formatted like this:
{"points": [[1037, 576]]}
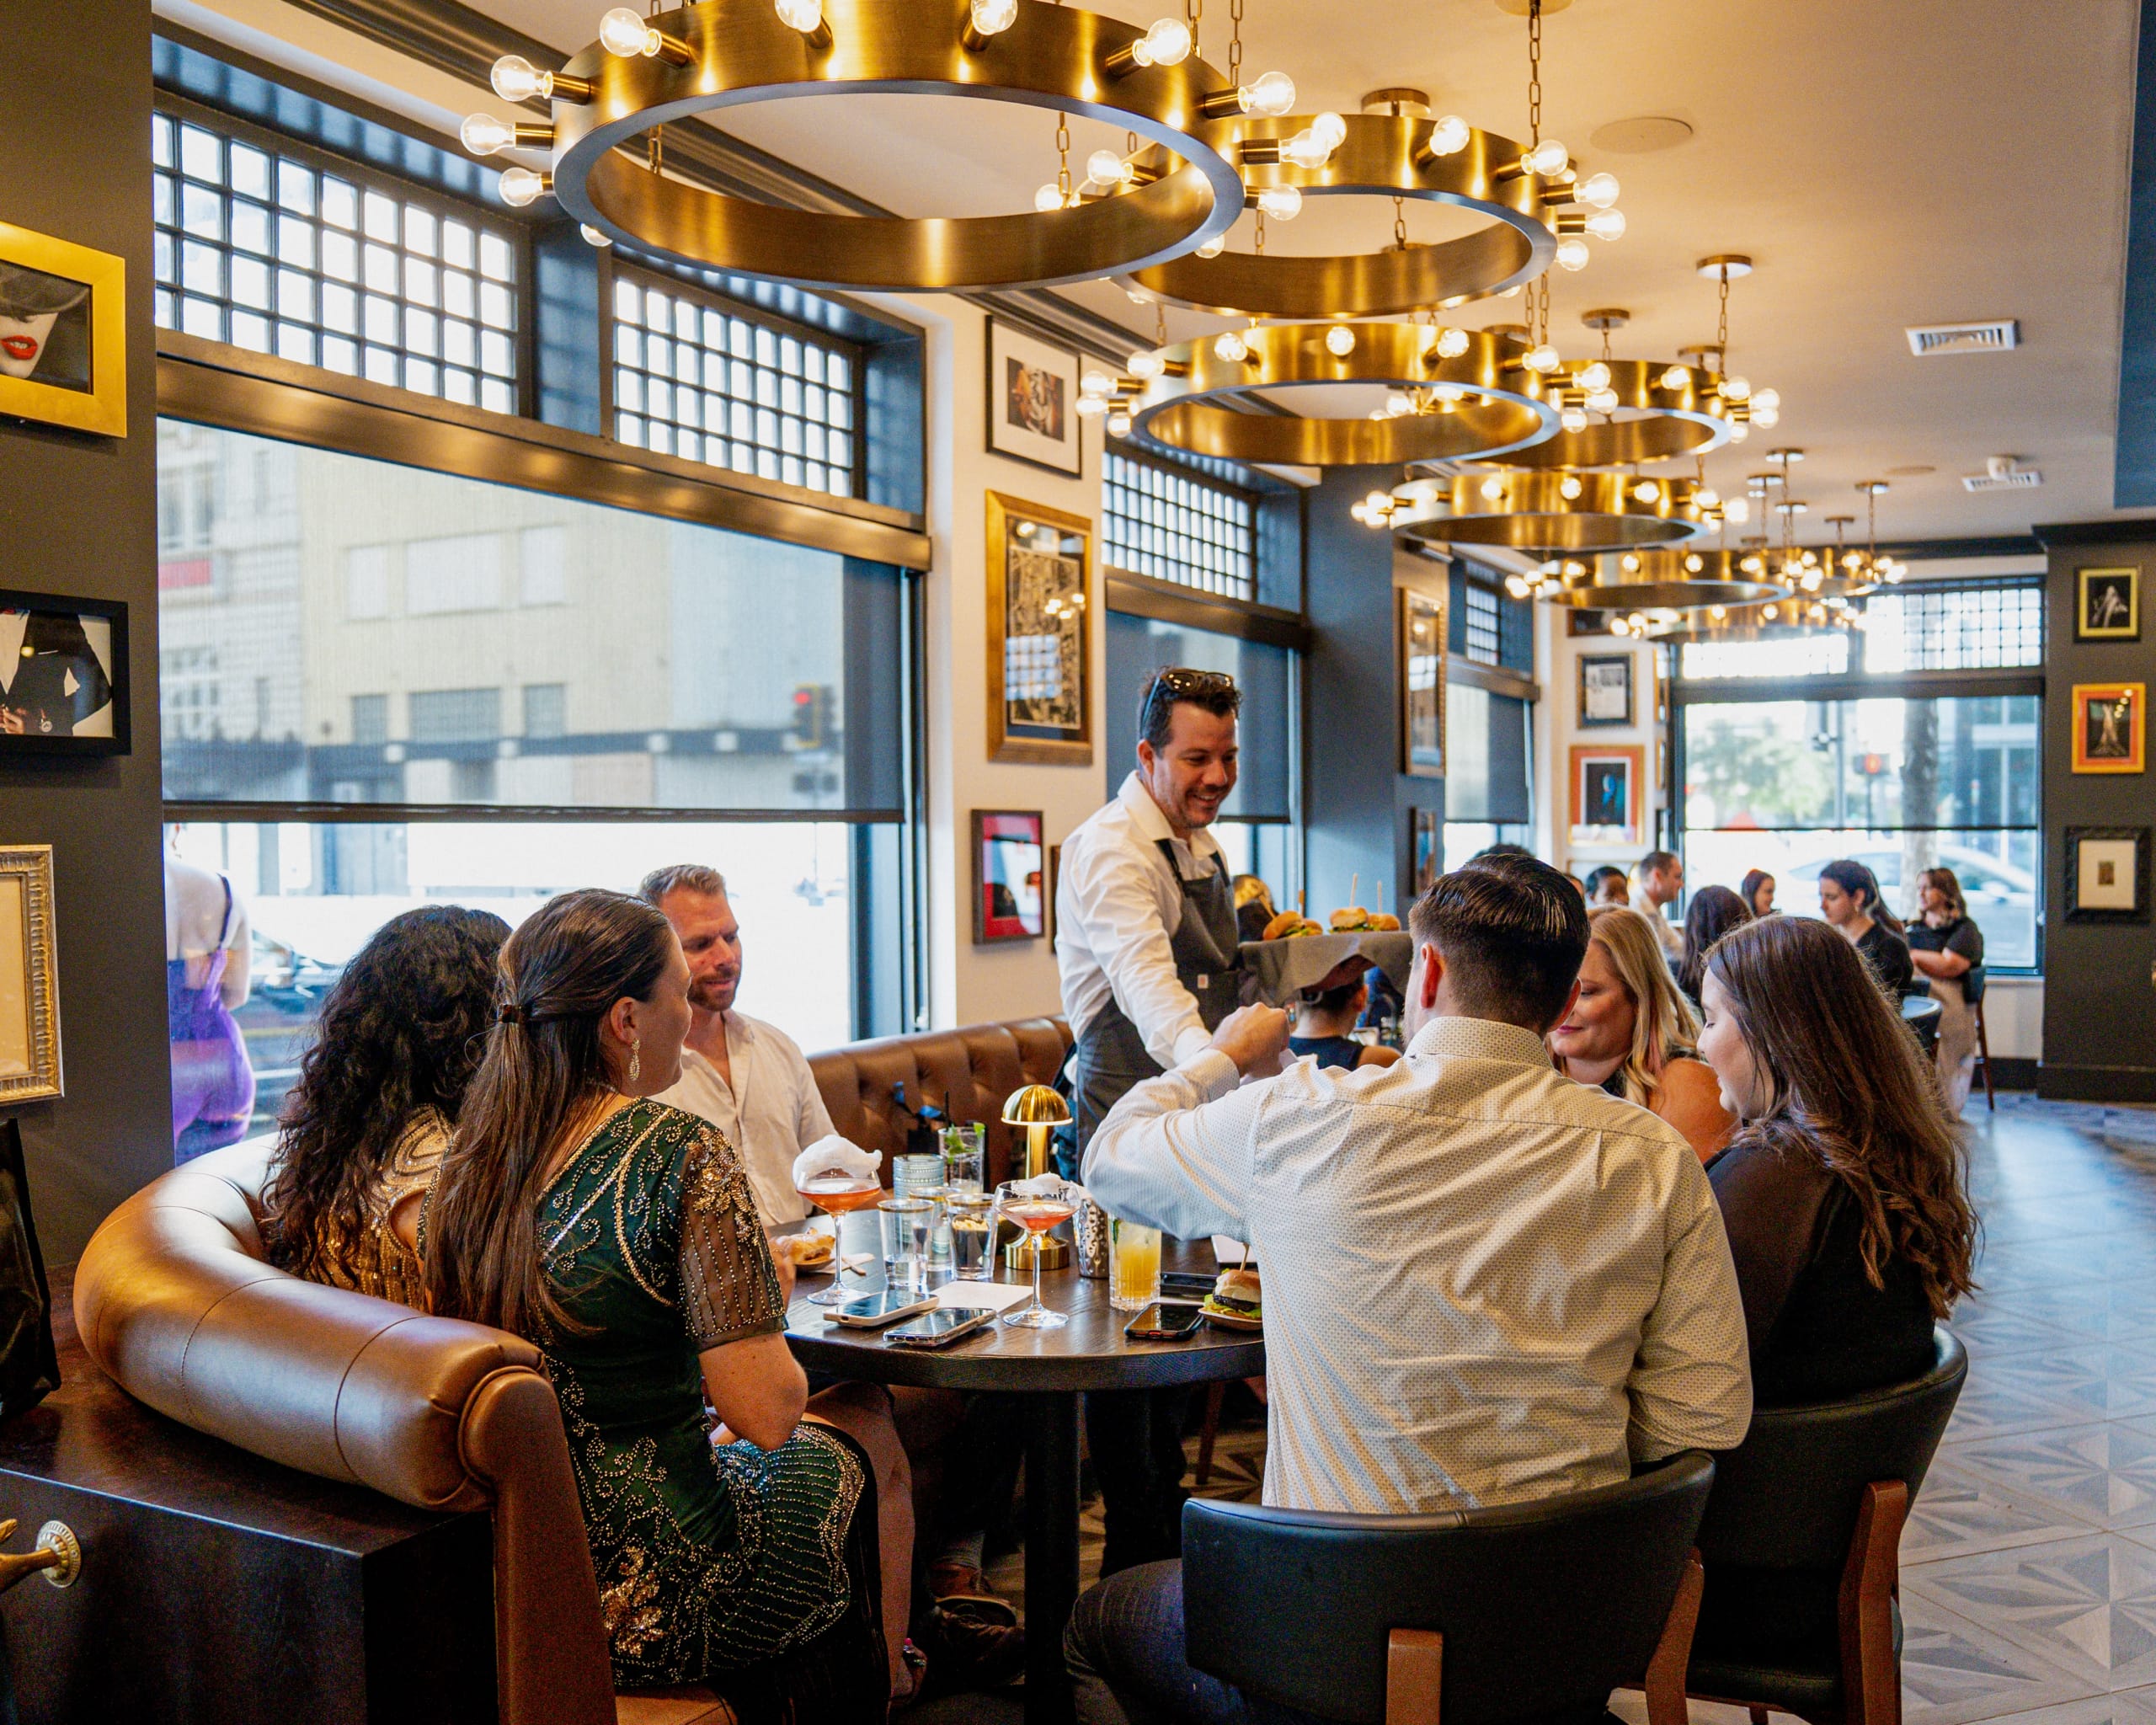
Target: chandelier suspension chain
{"points": [[1399, 224], [1192, 11], [1063, 156], [1235, 43], [1533, 73]]}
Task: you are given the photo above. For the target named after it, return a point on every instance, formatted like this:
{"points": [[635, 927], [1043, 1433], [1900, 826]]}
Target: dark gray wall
{"points": [[2099, 997], [78, 514]]}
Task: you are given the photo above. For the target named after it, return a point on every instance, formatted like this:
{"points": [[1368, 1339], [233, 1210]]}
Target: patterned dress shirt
{"points": [[1483, 1282]]}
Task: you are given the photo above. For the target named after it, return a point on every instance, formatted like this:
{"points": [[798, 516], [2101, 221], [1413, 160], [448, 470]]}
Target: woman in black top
{"points": [[1945, 946], [1842, 1190], [1757, 893], [1713, 912], [1848, 898]]}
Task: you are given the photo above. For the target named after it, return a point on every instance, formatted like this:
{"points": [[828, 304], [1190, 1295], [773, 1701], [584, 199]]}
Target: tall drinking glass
{"points": [[906, 1224], [834, 1194], [1133, 1265], [1036, 1215], [973, 1235]]}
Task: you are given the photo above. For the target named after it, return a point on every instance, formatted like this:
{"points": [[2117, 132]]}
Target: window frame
{"points": [[1252, 500]]}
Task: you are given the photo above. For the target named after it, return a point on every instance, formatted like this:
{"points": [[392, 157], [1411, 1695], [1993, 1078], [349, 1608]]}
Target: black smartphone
{"points": [[872, 1311], [1180, 1282], [1165, 1321], [941, 1328]]}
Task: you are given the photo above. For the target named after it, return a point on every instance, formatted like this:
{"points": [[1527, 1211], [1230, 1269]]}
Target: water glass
{"points": [[905, 1224], [1133, 1265], [910, 1173], [939, 1226], [973, 1235], [965, 1157]]}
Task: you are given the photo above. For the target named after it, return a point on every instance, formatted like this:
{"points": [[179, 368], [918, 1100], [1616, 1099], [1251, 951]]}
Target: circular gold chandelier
{"points": [[1653, 579], [721, 54], [1532, 510], [1669, 410], [1463, 395], [1783, 619]]}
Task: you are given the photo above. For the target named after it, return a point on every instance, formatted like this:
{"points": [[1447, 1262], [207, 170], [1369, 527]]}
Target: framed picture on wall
{"points": [[1422, 678], [29, 977], [1009, 887], [2110, 727], [1040, 583], [2107, 605], [1607, 793], [1426, 851], [63, 676], [63, 333], [1047, 894], [1032, 401], [1605, 694], [2107, 874]]}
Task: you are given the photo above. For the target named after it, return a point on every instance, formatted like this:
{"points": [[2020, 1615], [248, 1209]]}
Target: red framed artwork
{"points": [[1010, 899], [2111, 726]]}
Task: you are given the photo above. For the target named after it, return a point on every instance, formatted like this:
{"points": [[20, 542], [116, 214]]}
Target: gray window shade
{"points": [[1486, 744]]}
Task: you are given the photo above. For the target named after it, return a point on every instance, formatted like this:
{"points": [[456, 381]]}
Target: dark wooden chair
{"points": [[1974, 982], [1801, 1543], [1520, 1611]]}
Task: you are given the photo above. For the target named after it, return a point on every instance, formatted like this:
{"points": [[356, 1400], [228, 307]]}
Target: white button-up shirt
{"points": [[1483, 1282], [1118, 906], [1667, 933], [770, 1113]]}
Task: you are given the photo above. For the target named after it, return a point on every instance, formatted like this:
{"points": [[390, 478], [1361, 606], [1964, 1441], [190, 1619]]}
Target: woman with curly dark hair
{"points": [[1842, 1188], [361, 1134], [1713, 912]]}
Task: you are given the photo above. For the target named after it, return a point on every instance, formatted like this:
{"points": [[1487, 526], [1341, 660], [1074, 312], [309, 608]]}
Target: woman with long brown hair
{"points": [[1945, 945], [1842, 1188], [620, 1234]]}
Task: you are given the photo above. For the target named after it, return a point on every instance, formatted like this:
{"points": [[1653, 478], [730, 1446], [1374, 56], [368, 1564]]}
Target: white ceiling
{"points": [[1912, 163]]}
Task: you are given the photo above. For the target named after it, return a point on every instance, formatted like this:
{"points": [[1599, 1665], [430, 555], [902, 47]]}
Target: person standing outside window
{"points": [[1146, 947], [1662, 884], [207, 946]]}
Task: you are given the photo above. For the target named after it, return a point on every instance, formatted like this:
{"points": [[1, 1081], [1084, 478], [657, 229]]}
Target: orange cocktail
{"points": [[1036, 1213]]}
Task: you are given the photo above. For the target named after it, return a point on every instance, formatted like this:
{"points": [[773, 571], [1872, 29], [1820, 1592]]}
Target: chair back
{"points": [[1787, 1497], [1543, 1606], [1972, 984]]}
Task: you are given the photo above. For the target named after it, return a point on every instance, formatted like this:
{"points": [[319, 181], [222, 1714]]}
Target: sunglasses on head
{"points": [[1181, 683]]}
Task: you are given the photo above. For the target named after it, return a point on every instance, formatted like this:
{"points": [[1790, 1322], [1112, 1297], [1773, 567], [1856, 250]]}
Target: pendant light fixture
{"points": [[1653, 579], [1620, 412], [1540, 512]]}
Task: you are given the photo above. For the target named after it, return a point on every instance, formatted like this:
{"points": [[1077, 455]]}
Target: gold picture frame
{"points": [[29, 977], [1040, 654], [1419, 676], [2107, 604], [63, 312]]}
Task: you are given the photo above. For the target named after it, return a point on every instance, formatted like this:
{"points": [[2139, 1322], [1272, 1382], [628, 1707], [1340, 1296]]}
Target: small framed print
{"points": [[2107, 605], [2107, 874], [1427, 858], [1607, 793], [63, 333], [63, 676], [1605, 696], [1040, 583], [1032, 401], [1009, 890], [1422, 677], [2111, 726], [29, 977]]}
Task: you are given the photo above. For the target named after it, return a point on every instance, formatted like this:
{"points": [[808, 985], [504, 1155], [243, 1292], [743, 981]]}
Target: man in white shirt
{"points": [[1484, 1284], [1662, 884], [1145, 940], [747, 1077]]}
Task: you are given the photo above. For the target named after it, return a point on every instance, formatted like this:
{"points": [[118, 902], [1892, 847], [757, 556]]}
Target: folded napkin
{"points": [[833, 1155]]}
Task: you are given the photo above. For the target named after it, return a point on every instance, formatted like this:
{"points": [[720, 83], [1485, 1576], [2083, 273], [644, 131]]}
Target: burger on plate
{"points": [[1236, 1297]]}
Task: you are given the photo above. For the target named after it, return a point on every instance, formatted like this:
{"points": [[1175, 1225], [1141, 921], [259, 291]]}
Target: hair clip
{"points": [[508, 1012]]}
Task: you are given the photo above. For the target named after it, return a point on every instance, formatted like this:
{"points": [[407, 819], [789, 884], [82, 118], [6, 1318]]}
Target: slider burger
{"points": [[1235, 1295], [1354, 920], [1287, 925], [1384, 922]]}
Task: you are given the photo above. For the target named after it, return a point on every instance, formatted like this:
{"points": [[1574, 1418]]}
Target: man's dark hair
{"points": [[1595, 877], [1512, 933], [1655, 861], [1504, 849], [1173, 684]]}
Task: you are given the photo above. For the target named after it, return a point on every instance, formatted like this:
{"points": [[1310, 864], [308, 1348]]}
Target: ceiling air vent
{"points": [[1965, 338], [2002, 472]]}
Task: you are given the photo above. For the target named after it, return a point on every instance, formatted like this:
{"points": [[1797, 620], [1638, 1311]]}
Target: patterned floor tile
{"points": [[1990, 1409], [1961, 1511], [2104, 1476], [2126, 1707], [1955, 1672], [2104, 1311], [2088, 1604], [2004, 1328], [2118, 1382]]}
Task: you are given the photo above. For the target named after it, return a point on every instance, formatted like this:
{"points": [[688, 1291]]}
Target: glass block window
{"points": [[1484, 615], [260, 248], [1175, 527], [695, 378], [1954, 628]]}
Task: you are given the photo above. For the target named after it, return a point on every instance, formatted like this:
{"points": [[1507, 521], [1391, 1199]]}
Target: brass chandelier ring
{"points": [[1478, 408], [1741, 623], [1382, 155], [1532, 511], [1661, 580], [725, 53], [1683, 415]]}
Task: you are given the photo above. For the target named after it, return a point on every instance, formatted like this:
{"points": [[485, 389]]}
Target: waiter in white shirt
{"points": [[1145, 942]]}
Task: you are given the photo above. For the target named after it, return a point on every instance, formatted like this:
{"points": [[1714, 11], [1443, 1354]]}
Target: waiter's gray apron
{"points": [[1111, 1056]]}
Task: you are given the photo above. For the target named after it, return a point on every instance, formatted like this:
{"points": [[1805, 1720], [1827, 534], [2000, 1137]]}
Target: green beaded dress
{"points": [[709, 1560]]}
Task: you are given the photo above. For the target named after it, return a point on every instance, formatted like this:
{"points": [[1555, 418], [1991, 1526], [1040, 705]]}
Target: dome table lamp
{"points": [[1039, 1110]]}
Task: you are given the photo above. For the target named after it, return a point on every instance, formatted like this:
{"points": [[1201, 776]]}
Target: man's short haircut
{"points": [[1596, 877], [1504, 848], [681, 878], [1511, 931], [1172, 686], [1656, 860]]}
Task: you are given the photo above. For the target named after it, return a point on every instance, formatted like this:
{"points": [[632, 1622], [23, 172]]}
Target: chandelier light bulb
{"points": [[1281, 203], [1548, 158], [1694, 563], [1638, 620], [1593, 376], [516, 79], [593, 237], [1707, 498], [1397, 405], [1517, 586], [483, 135], [1736, 389], [1771, 611], [623, 32], [520, 186], [1738, 433], [1340, 341], [1771, 399], [1214, 247], [1572, 252], [1146, 365], [1493, 490], [1231, 346], [1332, 128], [1646, 491], [1272, 94], [1718, 613], [1569, 488], [1630, 562], [1096, 383], [1766, 418], [1597, 191], [1049, 197], [1449, 135], [1602, 401], [1379, 503], [1104, 167], [1091, 407], [1120, 425], [1306, 150], [1542, 359], [1607, 224], [1617, 626], [1675, 378], [1573, 419], [1451, 344], [991, 18], [1167, 43], [806, 16]]}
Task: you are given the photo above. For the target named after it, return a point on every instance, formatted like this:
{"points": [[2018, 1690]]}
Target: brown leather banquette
{"points": [[174, 1301]]}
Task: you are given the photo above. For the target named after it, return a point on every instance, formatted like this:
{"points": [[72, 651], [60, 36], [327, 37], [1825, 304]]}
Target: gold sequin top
{"points": [[377, 1261]]}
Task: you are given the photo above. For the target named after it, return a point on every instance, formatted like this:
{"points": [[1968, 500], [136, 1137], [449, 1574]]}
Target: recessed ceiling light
{"points": [[1641, 136]]}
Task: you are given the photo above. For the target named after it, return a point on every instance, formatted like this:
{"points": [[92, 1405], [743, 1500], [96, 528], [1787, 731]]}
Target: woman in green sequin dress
{"points": [[620, 1236]]}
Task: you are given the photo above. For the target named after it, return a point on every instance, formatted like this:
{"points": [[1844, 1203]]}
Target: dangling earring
{"points": [[635, 1059]]}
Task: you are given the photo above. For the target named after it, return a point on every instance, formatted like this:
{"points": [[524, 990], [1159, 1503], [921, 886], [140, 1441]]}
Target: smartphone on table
{"points": [[941, 1328], [872, 1311], [1165, 1321]]}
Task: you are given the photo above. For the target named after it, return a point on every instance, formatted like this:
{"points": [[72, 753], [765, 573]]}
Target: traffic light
{"points": [[812, 715]]}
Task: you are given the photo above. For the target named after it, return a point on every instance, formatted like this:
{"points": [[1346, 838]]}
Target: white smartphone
{"points": [[872, 1311]]}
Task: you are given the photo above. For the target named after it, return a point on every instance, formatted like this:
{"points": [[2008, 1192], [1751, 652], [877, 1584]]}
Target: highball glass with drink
{"points": [[1036, 1214], [905, 1223], [972, 1235], [965, 1157], [1133, 1265], [834, 1194]]}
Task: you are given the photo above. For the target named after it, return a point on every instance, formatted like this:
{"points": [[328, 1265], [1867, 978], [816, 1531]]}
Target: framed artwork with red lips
{"points": [[63, 333]]}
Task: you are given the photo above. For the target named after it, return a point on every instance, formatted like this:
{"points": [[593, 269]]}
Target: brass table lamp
{"points": [[1039, 1110]]}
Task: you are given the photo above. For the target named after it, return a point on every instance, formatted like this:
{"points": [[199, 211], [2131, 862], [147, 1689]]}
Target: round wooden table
{"points": [[1050, 1369]]}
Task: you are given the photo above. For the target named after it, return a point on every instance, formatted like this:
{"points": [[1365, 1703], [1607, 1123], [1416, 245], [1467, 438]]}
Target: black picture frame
{"points": [[35, 719], [1058, 443], [2107, 604], [2114, 837], [1593, 666]]}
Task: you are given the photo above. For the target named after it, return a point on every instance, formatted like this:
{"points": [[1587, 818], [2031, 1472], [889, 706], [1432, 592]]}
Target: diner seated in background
{"points": [[1757, 893], [1661, 875], [361, 1134], [1944, 945], [620, 1235], [1842, 1189], [1485, 1284], [1849, 898], [1254, 907], [1713, 912], [1325, 1017], [1631, 1033], [1607, 885]]}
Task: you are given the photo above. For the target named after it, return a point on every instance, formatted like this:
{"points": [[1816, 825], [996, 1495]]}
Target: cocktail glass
{"points": [[1036, 1215], [834, 1194]]}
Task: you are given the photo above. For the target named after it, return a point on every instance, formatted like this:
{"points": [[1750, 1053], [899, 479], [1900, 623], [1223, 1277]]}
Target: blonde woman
{"points": [[1632, 1034], [1945, 945]]}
